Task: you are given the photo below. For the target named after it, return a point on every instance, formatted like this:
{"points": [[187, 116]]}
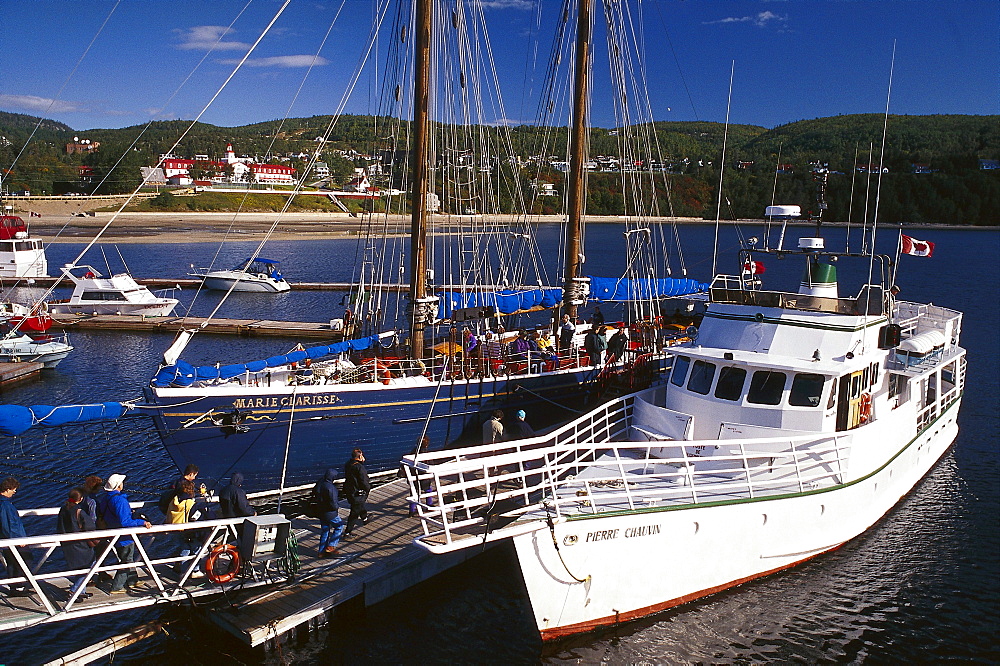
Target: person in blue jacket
{"points": [[11, 527], [114, 509], [331, 524]]}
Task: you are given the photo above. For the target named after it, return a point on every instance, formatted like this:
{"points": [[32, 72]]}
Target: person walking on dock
{"points": [[493, 428], [519, 429], [233, 502], [328, 505], [356, 487], [113, 508], [73, 518], [11, 527], [178, 513]]}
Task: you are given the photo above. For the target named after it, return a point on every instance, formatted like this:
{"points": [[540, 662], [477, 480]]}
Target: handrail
{"points": [[586, 467], [151, 558]]}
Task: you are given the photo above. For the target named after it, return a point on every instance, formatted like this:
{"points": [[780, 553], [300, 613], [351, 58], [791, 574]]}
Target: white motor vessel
{"points": [[792, 424], [21, 256], [118, 294], [259, 275]]}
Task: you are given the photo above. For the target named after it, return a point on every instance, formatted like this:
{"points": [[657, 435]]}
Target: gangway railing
{"points": [[486, 493], [171, 575]]}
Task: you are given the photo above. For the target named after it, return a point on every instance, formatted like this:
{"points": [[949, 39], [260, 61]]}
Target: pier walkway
{"points": [[264, 601]]}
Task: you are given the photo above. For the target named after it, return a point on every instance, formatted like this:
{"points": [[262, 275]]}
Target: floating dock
{"points": [[15, 372], [264, 606], [188, 283], [243, 327], [376, 562]]}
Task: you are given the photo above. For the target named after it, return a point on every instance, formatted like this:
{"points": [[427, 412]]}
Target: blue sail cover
{"points": [[506, 301], [624, 289], [184, 374], [16, 419]]}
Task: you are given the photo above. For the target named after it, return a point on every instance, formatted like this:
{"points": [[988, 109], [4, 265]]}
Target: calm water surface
{"points": [[923, 585]]}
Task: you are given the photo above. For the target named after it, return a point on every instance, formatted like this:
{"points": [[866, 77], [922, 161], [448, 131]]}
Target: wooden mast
{"points": [[420, 167], [578, 157]]}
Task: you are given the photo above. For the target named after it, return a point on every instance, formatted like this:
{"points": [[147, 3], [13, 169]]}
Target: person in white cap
{"points": [[114, 510]]}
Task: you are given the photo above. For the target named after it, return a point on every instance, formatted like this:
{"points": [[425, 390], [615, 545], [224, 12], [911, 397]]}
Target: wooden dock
{"points": [[243, 327], [189, 283], [14, 372], [376, 562]]}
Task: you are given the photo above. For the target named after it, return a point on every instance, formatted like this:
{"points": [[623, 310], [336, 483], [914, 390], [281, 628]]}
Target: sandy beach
{"points": [[73, 220]]}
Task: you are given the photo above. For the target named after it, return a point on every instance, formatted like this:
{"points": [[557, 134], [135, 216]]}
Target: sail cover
{"points": [[16, 419], [508, 301], [505, 301], [625, 289], [182, 373]]}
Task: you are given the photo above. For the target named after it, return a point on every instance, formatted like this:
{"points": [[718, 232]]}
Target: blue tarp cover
{"points": [[624, 289], [184, 374], [16, 419]]}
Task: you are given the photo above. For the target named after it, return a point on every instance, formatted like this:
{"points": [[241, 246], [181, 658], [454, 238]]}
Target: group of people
{"points": [[101, 504], [495, 430], [356, 488]]}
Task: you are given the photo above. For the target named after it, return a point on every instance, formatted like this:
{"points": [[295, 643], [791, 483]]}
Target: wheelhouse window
{"points": [[702, 375], [766, 387], [103, 296], [730, 384], [680, 371], [807, 390]]}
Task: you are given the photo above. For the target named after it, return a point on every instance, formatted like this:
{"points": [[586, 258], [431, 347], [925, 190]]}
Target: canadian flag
{"points": [[917, 248]]}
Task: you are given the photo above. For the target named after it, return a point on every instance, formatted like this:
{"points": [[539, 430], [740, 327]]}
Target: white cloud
{"points": [[506, 4], [280, 61], [43, 104], [760, 20], [208, 38]]}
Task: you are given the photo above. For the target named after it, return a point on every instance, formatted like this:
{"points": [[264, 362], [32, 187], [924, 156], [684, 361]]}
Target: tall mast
{"points": [[419, 305], [578, 157]]}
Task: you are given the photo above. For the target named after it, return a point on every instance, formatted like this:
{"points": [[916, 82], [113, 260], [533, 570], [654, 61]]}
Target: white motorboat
{"points": [[47, 349], [792, 424], [118, 294], [258, 274], [21, 256]]}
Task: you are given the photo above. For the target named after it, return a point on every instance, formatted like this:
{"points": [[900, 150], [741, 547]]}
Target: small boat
{"points": [[17, 316], [21, 256], [258, 274], [118, 294], [46, 349]]}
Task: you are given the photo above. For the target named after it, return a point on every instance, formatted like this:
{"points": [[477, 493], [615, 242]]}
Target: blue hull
{"points": [[246, 429]]}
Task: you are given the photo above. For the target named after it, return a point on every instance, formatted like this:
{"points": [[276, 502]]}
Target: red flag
{"points": [[917, 248]]}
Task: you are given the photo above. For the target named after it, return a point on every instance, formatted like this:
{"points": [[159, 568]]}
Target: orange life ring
{"points": [[865, 407], [223, 549], [381, 370]]}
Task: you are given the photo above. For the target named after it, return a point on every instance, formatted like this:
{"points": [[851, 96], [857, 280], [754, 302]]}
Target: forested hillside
{"points": [[931, 166]]}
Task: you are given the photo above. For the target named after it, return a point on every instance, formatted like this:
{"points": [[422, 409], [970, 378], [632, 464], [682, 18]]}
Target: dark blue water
{"points": [[923, 585]]}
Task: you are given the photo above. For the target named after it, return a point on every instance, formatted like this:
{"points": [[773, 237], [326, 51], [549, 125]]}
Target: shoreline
{"points": [[71, 224]]}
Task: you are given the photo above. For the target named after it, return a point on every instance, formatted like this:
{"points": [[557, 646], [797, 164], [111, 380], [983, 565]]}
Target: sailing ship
{"points": [[420, 378]]}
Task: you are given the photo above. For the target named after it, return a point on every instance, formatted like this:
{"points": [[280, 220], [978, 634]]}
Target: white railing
{"points": [[155, 556], [486, 493]]}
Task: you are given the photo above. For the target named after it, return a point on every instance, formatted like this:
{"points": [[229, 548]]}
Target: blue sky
{"points": [[794, 59]]}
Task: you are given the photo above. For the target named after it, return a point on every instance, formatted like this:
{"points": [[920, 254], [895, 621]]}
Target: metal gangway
{"points": [[165, 576]]}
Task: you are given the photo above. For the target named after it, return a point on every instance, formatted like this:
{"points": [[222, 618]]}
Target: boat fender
{"points": [[228, 551], [865, 407]]}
